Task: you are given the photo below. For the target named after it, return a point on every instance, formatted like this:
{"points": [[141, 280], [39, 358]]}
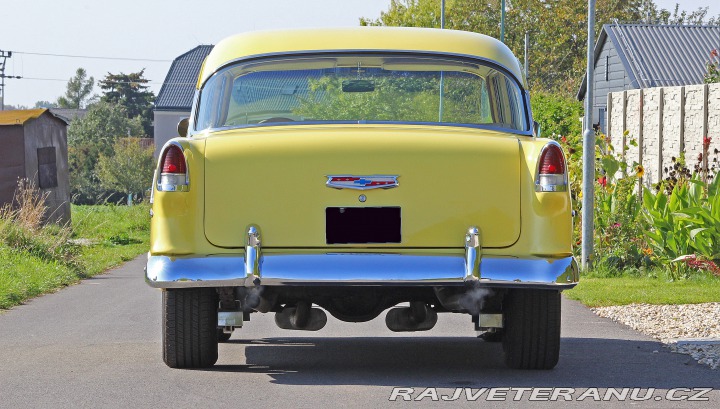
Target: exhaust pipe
{"points": [[301, 317], [417, 317]]}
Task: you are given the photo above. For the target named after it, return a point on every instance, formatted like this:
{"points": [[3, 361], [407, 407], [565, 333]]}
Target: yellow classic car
{"points": [[358, 170]]}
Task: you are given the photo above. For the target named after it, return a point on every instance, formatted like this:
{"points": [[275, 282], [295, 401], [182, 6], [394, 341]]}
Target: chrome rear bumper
{"points": [[360, 269]]}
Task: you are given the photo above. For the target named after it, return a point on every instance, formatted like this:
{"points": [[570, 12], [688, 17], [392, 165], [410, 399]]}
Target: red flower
{"points": [[706, 142], [603, 181], [714, 53], [563, 139]]}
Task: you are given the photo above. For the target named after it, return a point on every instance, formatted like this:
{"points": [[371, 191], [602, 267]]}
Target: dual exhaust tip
{"points": [[417, 317], [301, 317]]}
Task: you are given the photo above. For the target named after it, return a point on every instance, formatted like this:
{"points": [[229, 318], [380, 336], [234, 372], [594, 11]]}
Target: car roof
{"points": [[430, 40]]}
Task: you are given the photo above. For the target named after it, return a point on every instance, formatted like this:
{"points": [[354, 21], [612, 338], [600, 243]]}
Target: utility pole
{"points": [[442, 14], [527, 47], [4, 55], [588, 180], [502, 22]]}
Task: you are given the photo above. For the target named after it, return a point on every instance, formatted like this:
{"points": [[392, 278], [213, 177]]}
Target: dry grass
{"points": [[28, 207], [22, 228]]}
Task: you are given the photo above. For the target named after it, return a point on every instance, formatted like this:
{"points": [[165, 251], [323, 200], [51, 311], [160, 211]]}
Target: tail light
{"points": [[173, 170], [551, 172]]}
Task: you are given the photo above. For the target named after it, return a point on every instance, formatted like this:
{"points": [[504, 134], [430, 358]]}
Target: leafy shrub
{"points": [[89, 138], [684, 223], [558, 115], [129, 169]]}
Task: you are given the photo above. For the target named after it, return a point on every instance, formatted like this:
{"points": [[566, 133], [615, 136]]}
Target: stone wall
{"points": [[664, 122]]}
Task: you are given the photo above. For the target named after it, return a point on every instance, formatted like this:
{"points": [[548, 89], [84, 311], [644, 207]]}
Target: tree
{"points": [[92, 136], [557, 115], [557, 29], [14, 107], [45, 104], [130, 91], [79, 88], [129, 169], [663, 16]]}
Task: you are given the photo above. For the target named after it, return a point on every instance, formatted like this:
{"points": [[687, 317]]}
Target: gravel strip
{"points": [[692, 329]]}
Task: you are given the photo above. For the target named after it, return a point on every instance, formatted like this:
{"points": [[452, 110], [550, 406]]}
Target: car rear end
{"points": [[354, 180]]}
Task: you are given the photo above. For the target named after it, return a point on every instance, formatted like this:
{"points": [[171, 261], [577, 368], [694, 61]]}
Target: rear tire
{"points": [[190, 338], [531, 337]]}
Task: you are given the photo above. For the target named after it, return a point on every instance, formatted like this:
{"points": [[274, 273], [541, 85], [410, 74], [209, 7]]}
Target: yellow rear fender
{"points": [[546, 215], [176, 224]]}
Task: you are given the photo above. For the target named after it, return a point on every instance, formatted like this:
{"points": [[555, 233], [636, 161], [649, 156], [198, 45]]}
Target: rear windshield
{"points": [[361, 88]]}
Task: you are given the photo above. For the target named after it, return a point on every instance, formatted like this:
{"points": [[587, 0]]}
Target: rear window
{"points": [[363, 89]]}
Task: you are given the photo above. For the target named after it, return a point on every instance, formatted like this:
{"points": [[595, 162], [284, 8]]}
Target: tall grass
{"points": [[36, 258], [22, 228]]}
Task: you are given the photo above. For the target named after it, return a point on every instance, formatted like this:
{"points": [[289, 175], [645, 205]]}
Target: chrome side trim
{"points": [[359, 269]]}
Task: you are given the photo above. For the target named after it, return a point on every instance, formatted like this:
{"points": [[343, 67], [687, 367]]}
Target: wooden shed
{"points": [[34, 146]]}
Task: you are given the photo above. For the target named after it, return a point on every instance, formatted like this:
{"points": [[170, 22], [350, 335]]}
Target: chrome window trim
{"points": [[399, 123], [545, 187], [269, 56]]}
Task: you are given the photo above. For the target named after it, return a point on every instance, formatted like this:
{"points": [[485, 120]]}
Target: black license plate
{"points": [[362, 225]]}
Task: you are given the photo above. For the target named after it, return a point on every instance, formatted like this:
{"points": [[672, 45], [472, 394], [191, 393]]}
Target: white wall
{"points": [[664, 121], [165, 124]]}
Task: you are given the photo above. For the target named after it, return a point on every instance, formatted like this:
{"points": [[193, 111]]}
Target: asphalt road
{"points": [[97, 344]]}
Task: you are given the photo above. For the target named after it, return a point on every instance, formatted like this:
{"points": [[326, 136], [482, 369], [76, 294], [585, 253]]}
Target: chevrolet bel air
{"points": [[356, 171]]}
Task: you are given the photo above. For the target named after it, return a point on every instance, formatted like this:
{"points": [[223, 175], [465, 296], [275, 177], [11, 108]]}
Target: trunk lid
{"points": [[275, 178]]}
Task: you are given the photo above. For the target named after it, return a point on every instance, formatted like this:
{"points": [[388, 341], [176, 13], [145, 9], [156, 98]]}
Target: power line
{"points": [[92, 57], [111, 82]]}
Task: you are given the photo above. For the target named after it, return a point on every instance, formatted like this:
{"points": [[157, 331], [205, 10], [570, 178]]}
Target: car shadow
{"points": [[452, 362]]}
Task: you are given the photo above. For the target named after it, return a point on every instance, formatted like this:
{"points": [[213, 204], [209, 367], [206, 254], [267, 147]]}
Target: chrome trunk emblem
{"points": [[362, 182]]}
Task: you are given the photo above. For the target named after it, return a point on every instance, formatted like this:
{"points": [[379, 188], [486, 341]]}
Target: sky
{"points": [[140, 29], [149, 34]]}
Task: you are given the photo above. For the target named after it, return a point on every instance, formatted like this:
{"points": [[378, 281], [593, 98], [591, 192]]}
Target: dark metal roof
{"points": [[178, 89], [660, 55]]}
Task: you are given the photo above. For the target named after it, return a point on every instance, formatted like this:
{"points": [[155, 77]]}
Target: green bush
{"points": [[684, 224], [558, 115]]}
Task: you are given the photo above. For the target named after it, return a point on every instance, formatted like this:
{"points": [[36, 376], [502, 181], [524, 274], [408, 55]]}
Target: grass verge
{"points": [[596, 291], [110, 235], [35, 260]]}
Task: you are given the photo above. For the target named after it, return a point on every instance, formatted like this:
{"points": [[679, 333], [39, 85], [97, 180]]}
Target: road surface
{"points": [[97, 344]]}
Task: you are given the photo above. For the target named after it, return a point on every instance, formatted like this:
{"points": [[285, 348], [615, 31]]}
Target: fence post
{"points": [[608, 116], [706, 109], [661, 136], [624, 128], [682, 120], [641, 145]]}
